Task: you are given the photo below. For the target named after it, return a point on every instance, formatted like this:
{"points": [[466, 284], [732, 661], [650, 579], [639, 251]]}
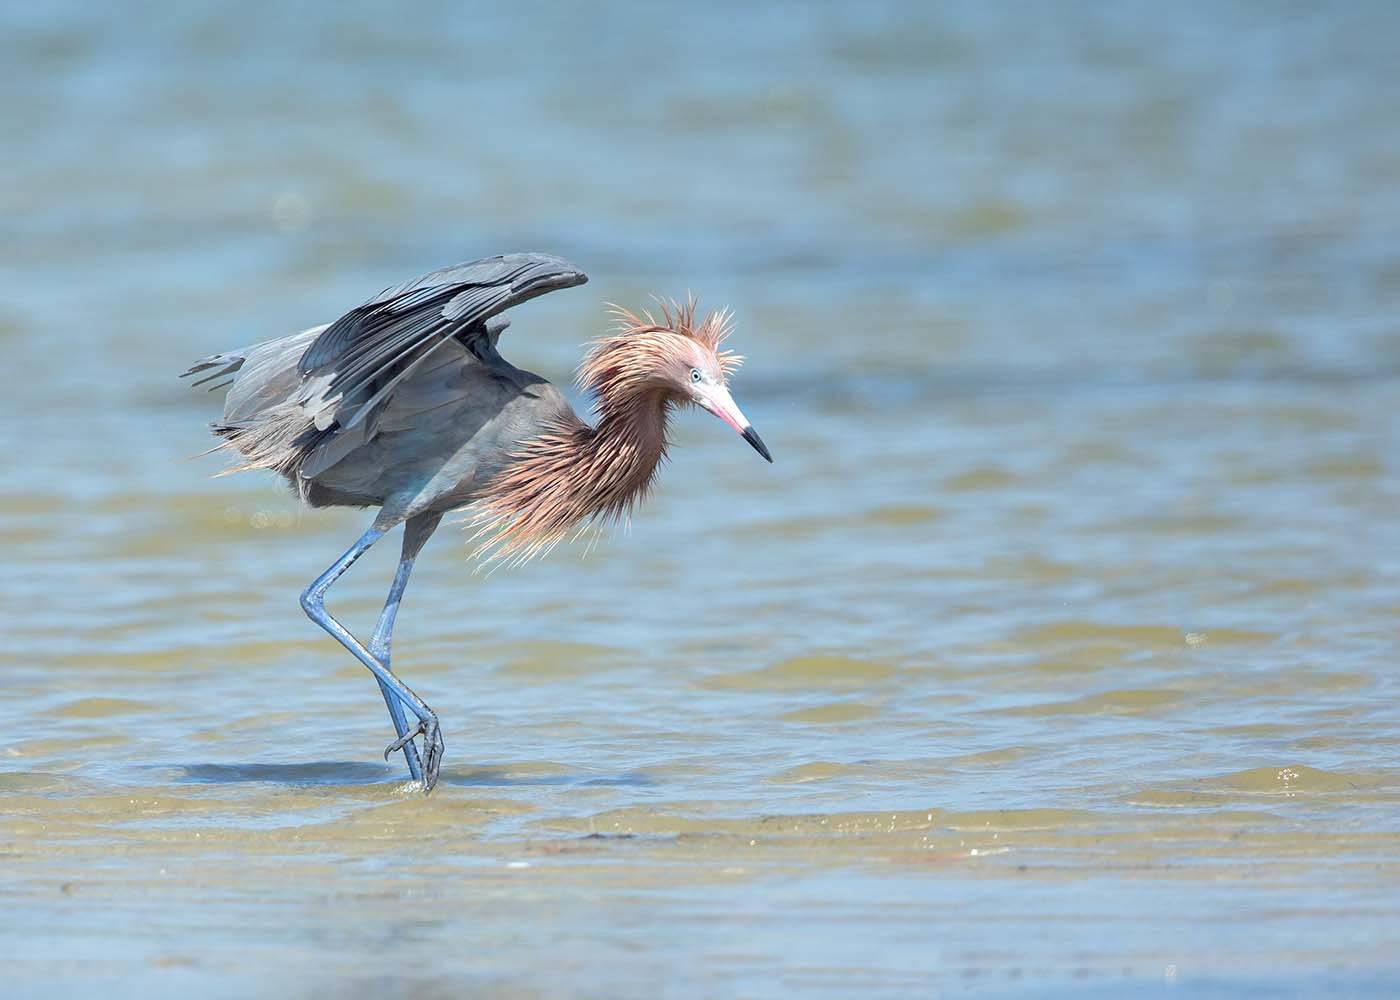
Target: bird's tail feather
{"points": [[227, 363], [266, 420], [279, 439]]}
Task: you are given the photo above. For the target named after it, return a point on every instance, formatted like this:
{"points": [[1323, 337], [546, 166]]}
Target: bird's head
{"points": [[674, 357]]}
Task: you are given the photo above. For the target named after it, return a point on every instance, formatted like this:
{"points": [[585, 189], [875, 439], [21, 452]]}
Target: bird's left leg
{"points": [[416, 532], [313, 603]]}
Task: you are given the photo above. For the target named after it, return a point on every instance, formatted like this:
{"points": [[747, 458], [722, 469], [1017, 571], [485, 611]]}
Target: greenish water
{"points": [[1056, 654]]}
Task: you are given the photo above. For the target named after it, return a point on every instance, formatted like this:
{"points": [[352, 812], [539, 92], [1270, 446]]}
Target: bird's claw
{"points": [[432, 755], [432, 749], [403, 740]]}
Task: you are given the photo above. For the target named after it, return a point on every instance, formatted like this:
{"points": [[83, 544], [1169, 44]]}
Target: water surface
{"points": [[1056, 652]]}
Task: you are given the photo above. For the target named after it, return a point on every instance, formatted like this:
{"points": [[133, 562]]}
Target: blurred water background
{"points": [[1057, 652]]}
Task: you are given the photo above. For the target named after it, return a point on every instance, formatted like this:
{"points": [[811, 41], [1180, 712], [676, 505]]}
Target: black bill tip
{"points": [[751, 436]]}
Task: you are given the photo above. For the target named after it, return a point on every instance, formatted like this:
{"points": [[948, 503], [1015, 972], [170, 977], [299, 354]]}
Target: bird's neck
{"points": [[625, 446], [577, 473]]}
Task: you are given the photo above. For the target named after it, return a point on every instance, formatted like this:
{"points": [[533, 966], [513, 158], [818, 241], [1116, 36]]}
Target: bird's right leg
{"points": [[313, 603], [416, 532]]}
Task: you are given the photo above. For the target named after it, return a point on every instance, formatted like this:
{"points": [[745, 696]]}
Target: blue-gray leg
{"points": [[313, 602], [415, 533]]}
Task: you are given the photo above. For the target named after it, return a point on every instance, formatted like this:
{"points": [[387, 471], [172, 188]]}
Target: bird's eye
{"points": [[695, 375]]}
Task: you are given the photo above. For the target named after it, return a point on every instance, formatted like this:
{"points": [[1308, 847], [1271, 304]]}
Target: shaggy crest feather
{"points": [[711, 332], [593, 476]]}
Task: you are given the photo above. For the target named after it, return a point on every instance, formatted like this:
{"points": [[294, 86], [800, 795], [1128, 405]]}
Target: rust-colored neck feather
{"points": [[574, 473]]}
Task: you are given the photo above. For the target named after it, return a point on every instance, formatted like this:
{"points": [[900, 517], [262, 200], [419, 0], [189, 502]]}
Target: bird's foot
{"points": [[432, 749]]}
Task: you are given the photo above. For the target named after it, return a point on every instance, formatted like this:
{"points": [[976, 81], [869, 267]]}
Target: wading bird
{"points": [[404, 404]]}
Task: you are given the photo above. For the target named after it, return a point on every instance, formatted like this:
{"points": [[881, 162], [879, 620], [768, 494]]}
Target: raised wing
{"points": [[360, 357]]}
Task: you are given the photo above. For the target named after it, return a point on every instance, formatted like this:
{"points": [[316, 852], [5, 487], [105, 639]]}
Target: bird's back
{"points": [[440, 434], [403, 402]]}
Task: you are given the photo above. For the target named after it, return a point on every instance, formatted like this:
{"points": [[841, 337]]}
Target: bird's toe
{"points": [[403, 740], [432, 755]]}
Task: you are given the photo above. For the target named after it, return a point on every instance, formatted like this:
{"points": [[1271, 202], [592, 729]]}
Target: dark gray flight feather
{"points": [[370, 349]]}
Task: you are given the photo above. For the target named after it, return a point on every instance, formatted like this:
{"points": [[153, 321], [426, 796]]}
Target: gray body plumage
{"points": [[402, 403]]}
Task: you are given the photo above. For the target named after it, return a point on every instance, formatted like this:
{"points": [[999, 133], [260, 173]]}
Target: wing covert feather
{"points": [[366, 352]]}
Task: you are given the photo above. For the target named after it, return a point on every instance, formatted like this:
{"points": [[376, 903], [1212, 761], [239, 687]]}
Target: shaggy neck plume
{"points": [[615, 461], [576, 473]]}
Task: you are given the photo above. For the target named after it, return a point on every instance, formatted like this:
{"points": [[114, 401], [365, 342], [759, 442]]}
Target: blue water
{"points": [[1055, 654]]}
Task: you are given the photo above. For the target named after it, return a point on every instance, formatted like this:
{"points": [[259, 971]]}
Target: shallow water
{"points": [[1056, 652]]}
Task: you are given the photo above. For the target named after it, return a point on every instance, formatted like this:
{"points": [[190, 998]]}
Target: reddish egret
{"points": [[404, 404]]}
